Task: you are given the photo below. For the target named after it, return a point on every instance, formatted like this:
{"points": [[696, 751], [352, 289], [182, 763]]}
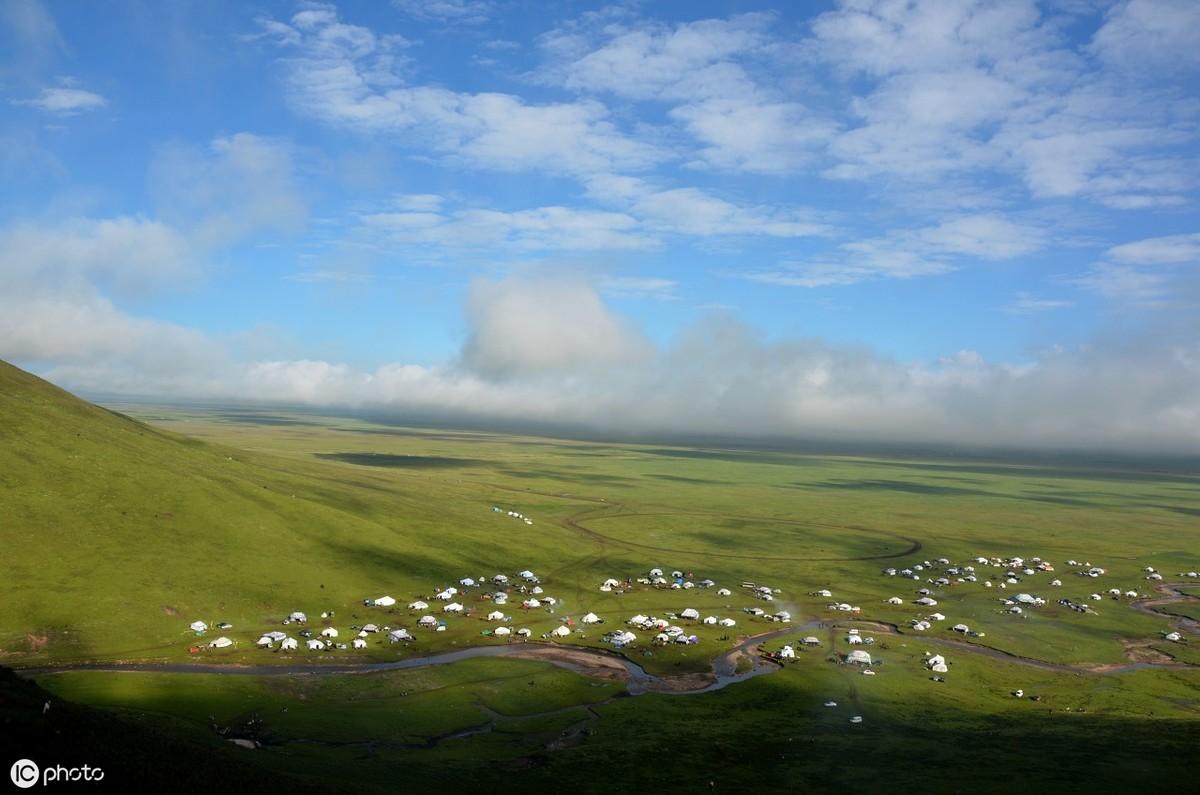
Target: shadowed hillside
{"points": [[117, 535]]}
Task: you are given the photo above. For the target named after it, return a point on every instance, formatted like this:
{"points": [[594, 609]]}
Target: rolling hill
{"points": [[117, 535]]}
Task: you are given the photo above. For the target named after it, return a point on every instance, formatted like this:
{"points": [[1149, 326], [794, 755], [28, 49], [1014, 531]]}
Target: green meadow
{"points": [[123, 525]]}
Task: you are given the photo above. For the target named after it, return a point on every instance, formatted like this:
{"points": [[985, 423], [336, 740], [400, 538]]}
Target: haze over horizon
{"points": [[952, 223]]}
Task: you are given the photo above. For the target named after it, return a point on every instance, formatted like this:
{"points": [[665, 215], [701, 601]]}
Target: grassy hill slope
{"points": [[117, 535]]}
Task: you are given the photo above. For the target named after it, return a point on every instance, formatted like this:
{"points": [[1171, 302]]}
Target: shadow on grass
{"points": [[901, 486], [737, 456], [929, 489], [379, 564], [1179, 509], [593, 478], [400, 461], [264, 419], [1027, 471], [682, 479]]}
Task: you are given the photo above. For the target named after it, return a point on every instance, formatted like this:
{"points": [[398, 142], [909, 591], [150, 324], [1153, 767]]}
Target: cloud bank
{"points": [[553, 353]]}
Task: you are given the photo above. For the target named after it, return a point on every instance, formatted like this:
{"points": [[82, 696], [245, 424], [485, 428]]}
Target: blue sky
{"points": [[891, 219]]}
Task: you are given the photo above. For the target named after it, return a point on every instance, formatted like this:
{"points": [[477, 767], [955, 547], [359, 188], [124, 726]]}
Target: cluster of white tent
{"points": [[936, 663], [1015, 568], [513, 514]]}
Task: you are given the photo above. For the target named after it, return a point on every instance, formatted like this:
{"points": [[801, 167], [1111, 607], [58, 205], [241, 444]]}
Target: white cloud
{"points": [[1168, 250], [690, 61], [703, 69], [540, 228], [639, 287], [330, 277], [553, 353], [693, 211], [348, 76], [987, 236], [128, 254], [978, 89], [1150, 34], [1125, 285], [525, 326], [418, 202], [470, 12], [239, 185], [761, 136], [909, 253], [1028, 304], [66, 101]]}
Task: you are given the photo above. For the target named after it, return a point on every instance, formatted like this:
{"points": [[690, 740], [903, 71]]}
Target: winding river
{"points": [[609, 665]]}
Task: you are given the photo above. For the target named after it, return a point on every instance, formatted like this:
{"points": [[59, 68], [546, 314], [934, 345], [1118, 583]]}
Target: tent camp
{"points": [[329, 632], [264, 642], [370, 628], [427, 621], [288, 644], [502, 631], [524, 633], [385, 601], [690, 613], [495, 615], [531, 603], [315, 645], [812, 640], [221, 643], [787, 653], [724, 592], [727, 622], [418, 605], [710, 620], [453, 607], [591, 618], [859, 657], [397, 635], [359, 643], [199, 626], [467, 582], [298, 617], [561, 631]]}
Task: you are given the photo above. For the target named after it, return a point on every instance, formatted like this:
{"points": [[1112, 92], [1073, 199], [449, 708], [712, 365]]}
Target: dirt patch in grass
{"points": [[1140, 651]]}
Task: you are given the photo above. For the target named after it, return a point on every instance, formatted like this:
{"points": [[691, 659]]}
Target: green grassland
{"points": [[471, 723], [118, 533]]}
